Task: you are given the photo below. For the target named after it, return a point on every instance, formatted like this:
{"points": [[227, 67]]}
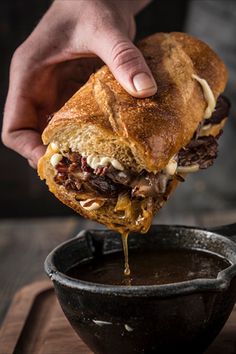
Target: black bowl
{"points": [[181, 317]]}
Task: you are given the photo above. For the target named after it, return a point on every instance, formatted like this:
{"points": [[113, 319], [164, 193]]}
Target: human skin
{"points": [[71, 41]]}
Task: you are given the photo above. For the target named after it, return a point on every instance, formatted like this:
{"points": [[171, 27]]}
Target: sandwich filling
{"points": [[98, 180]]}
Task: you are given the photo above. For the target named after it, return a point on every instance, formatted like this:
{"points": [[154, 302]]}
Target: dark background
{"points": [[22, 194]]}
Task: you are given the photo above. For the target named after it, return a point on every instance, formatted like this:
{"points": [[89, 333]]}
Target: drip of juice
{"points": [[124, 236]]}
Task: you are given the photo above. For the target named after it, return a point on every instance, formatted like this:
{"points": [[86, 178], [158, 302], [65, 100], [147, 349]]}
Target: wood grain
{"points": [[24, 244], [35, 324]]}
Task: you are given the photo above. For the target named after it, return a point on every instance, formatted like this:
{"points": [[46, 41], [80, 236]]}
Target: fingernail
{"points": [[143, 82]]}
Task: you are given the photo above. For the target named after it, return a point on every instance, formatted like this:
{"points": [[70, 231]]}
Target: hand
{"points": [[50, 65]]}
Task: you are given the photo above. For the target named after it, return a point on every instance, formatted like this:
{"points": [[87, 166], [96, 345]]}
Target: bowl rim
{"points": [[219, 284]]}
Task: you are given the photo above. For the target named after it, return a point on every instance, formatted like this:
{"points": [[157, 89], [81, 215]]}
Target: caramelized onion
{"points": [[147, 213], [124, 204], [135, 211]]}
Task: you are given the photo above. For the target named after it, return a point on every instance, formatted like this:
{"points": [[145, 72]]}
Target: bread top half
{"points": [[102, 118]]}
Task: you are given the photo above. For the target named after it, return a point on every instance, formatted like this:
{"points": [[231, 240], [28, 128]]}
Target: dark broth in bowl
{"points": [[151, 267]]}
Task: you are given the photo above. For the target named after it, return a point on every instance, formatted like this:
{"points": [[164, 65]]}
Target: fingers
{"points": [[27, 143], [126, 63], [20, 131]]}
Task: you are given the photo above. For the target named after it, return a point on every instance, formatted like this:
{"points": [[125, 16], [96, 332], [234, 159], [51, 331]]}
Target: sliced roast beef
{"points": [[74, 172], [221, 111], [103, 186], [120, 177], [63, 165], [201, 151], [149, 184], [107, 182]]}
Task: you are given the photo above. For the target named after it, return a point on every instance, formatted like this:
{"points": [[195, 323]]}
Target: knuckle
{"points": [[5, 139], [17, 55], [26, 54]]}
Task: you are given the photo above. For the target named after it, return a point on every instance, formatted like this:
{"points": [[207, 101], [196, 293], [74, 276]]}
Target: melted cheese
{"points": [[188, 169], [54, 147], [93, 206], [171, 167], [55, 159], [205, 130], [95, 160], [122, 175], [208, 94]]}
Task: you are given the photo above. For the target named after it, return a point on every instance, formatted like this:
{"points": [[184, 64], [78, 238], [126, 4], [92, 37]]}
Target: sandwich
{"points": [[115, 158]]}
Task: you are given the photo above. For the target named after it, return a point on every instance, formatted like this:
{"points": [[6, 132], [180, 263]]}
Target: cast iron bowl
{"points": [[174, 318]]}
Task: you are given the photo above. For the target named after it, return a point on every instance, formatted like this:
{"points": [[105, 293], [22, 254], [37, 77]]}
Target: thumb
{"points": [[126, 63]]}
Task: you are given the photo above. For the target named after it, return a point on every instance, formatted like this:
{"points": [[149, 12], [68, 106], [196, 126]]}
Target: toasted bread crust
{"points": [[154, 128]]}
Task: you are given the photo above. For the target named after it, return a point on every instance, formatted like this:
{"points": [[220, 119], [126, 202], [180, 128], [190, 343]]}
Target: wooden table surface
{"points": [[24, 244]]}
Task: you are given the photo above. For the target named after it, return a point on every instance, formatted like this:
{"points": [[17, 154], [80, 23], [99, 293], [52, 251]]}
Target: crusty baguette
{"points": [[142, 133], [103, 118]]}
